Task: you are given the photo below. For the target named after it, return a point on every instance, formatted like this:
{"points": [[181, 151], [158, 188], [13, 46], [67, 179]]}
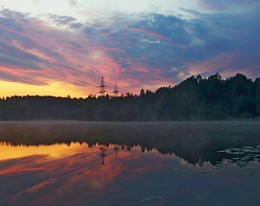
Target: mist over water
{"points": [[106, 163]]}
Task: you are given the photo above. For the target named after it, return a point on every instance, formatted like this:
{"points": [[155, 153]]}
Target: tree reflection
{"points": [[196, 142]]}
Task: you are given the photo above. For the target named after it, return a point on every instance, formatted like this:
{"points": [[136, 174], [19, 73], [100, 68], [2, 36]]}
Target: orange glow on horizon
{"points": [[8, 89]]}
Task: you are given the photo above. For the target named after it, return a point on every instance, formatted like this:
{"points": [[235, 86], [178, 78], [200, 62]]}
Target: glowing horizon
{"points": [[53, 89]]}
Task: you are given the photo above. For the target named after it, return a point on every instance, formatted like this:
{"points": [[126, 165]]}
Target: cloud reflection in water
{"points": [[132, 165]]}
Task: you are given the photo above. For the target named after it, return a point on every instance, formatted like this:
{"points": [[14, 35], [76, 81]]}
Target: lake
{"points": [[129, 163]]}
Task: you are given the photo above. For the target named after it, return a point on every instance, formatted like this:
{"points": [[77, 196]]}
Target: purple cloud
{"points": [[150, 49]]}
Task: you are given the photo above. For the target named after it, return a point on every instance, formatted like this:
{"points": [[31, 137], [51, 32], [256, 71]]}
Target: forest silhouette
{"points": [[195, 98]]}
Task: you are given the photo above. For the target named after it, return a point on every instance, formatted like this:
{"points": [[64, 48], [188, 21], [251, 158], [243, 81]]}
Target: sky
{"points": [[64, 47]]}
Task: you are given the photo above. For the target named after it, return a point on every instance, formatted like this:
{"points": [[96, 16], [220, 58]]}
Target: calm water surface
{"points": [[79, 163]]}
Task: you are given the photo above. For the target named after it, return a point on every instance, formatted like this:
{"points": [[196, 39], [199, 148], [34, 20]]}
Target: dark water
{"points": [[168, 163]]}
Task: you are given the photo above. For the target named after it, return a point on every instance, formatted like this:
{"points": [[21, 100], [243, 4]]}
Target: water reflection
{"points": [[135, 164], [9, 150], [196, 142], [116, 149], [240, 156], [103, 154]]}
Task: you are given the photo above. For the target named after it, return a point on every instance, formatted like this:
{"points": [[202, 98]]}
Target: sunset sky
{"points": [[64, 47]]}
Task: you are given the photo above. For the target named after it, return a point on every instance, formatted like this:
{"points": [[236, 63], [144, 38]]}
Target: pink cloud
{"points": [[37, 53], [227, 64], [224, 60]]}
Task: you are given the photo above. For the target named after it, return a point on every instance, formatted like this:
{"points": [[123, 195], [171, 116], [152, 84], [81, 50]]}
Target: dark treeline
{"points": [[193, 99]]}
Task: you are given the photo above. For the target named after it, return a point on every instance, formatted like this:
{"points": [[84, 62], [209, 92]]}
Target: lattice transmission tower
{"points": [[102, 86], [115, 91]]}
